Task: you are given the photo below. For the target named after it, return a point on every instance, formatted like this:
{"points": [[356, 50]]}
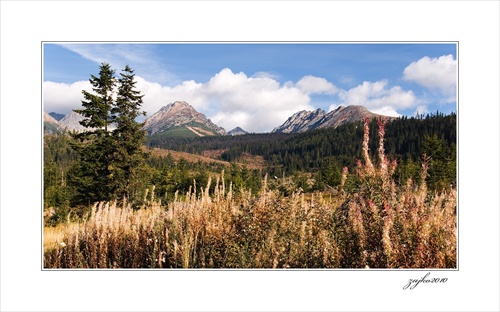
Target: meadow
{"points": [[371, 222]]}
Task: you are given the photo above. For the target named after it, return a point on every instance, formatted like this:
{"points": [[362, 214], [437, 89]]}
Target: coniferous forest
{"points": [[364, 194]]}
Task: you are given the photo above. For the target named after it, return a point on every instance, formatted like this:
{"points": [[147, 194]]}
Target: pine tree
{"points": [[128, 138]]}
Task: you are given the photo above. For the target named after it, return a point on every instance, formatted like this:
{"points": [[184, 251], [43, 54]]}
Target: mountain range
{"points": [[70, 122], [179, 119], [309, 120]]}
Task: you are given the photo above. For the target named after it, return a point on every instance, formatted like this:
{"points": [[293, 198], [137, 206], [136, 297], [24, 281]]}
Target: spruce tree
{"points": [[128, 139], [92, 174], [97, 106]]}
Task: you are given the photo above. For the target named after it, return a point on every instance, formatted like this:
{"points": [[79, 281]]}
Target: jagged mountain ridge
{"points": [[309, 120], [181, 115]]}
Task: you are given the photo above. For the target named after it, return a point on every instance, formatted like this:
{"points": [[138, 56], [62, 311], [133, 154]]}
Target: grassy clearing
{"points": [[371, 223]]}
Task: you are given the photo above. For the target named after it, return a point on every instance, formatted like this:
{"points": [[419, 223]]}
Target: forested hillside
{"points": [[325, 151]]}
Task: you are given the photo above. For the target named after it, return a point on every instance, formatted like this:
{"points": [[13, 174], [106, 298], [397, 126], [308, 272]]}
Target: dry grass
{"points": [[376, 225], [193, 158]]}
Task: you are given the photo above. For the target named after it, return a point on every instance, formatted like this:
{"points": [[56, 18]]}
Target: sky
{"points": [[257, 86]]}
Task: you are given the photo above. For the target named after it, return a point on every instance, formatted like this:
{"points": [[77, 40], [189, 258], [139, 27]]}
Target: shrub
{"points": [[382, 225]]}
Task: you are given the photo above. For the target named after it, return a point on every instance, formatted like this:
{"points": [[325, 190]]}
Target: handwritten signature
{"points": [[412, 283]]}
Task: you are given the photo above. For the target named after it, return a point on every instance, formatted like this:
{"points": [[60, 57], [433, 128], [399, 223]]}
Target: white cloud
{"points": [[157, 96], [377, 98], [257, 104], [262, 74], [316, 85], [63, 97], [435, 74]]}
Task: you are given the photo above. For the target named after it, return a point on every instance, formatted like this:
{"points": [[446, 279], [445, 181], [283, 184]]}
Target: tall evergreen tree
{"points": [[92, 174], [128, 137], [97, 106]]}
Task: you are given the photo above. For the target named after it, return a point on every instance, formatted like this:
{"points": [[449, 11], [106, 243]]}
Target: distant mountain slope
{"points": [[71, 122], [301, 121], [50, 125], [237, 131], [181, 119], [310, 120], [56, 116]]}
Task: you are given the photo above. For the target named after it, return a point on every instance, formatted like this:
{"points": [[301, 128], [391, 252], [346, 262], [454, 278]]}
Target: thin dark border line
{"points": [[457, 269]]}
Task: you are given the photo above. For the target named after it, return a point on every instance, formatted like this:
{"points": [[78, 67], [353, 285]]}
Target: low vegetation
{"points": [[373, 221]]}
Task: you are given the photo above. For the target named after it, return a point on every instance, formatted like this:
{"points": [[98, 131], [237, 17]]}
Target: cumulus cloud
{"points": [[254, 103], [257, 104], [62, 97], [378, 98], [436, 74], [316, 85]]}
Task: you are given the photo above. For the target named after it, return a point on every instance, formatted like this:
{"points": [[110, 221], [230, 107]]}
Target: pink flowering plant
{"points": [[384, 225]]}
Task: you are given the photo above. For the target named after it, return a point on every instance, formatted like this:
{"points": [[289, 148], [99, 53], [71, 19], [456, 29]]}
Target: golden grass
{"points": [[377, 224]]}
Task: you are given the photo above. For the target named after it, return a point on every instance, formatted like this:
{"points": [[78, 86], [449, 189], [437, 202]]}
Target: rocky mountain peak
{"points": [[50, 125], [237, 131], [49, 119], [177, 114], [301, 121], [71, 122], [309, 120]]}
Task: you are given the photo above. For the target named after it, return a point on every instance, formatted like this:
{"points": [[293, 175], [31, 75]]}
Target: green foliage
{"points": [[110, 163], [57, 161], [382, 224], [442, 165], [316, 151], [97, 105], [129, 171], [103, 165]]}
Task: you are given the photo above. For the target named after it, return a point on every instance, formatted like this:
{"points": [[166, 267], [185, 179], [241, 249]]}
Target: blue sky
{"points": [[259, 85]]}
